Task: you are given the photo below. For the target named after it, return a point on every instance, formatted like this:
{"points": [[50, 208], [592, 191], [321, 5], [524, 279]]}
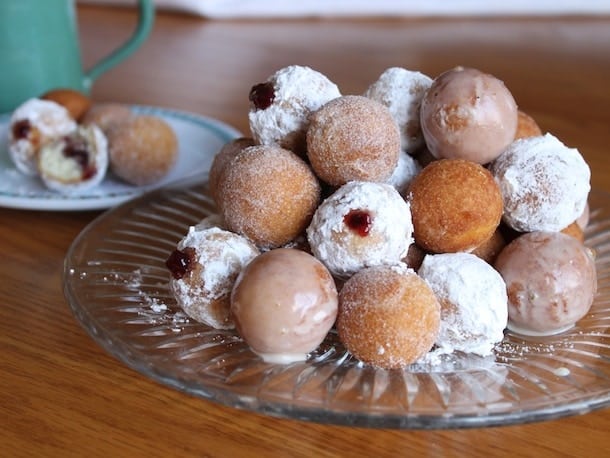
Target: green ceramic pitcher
{"points": [[40, 51]]}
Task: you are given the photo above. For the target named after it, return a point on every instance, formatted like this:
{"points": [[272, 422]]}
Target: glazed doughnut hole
{"points": [[468, 114], [551, 282], [284, 303]]}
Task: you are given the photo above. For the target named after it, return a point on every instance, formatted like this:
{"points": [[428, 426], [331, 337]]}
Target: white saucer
{"points": [[199, 140]]}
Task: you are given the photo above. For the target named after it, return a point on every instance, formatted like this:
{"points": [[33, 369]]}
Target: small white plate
{"points": [[199, 139]]}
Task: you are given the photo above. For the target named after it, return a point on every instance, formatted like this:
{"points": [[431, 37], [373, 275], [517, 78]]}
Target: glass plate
{"points": [[116, 283]]}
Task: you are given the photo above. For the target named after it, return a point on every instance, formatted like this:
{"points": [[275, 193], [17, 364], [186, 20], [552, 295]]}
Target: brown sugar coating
{"points": [[222, 159], [456, 205], [388, 316], [268, 194], [353, 138], [75, 102], [468, 114], [143, 150], [107, 116], [526, 126], [283, 304]]}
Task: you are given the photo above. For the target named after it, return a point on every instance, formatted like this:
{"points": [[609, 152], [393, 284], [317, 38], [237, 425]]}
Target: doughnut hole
{"points": [[551, 282], [455, 204], [388, 316], [221, 161], [143, 150], [468, 114], [268, 194], [353, 138], [283, 304]]}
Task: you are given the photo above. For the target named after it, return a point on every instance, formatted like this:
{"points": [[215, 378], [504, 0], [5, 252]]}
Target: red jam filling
{"points": [[21, 129], [78, 151], [180, 262], [262, 95], [359, 221]]}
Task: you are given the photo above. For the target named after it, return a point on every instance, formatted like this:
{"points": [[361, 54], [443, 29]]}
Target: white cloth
{"points": [[226, 9]]}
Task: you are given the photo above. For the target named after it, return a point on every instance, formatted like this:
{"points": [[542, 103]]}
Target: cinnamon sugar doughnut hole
{"points": [[222, 159], [143, 150], [456, 205], [388, 316], [268, 194], [353, 138]]}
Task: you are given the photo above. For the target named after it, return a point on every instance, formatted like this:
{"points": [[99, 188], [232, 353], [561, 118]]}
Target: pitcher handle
{"points": [[145, 23]]}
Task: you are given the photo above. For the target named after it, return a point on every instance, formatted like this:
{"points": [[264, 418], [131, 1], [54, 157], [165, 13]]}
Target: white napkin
{"points": [[225, 9]]}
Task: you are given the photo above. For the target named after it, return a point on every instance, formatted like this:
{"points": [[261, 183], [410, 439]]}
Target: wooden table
{"points": [[61, 395]]}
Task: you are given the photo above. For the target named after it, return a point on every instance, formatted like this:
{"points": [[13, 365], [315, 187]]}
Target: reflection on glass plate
{"points": [[116, 283], [199, 139]]}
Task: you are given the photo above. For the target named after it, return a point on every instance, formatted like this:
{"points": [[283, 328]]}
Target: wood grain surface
{"points": [[61, 395]]}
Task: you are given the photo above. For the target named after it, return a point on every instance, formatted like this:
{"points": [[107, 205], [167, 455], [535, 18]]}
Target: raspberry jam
{"points": [[262, 95], [78, 151], [21, 129], [180, 262], [359, 221]]}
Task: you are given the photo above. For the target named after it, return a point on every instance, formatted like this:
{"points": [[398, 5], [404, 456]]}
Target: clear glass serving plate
{"points": [[116, 283]]}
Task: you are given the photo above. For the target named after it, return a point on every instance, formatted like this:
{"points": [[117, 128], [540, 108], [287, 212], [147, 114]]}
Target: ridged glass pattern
{"points": [[116, 284]]}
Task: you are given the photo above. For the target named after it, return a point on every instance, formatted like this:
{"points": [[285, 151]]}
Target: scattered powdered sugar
{"points": [[298, 92], [544, 184], [402, 91], [343, 250], [474, 310]]}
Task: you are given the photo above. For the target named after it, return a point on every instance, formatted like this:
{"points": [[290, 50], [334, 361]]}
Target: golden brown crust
{"points": [[526, 126], [222, 159], [107, 116], [456, 205], [75, 102]]}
